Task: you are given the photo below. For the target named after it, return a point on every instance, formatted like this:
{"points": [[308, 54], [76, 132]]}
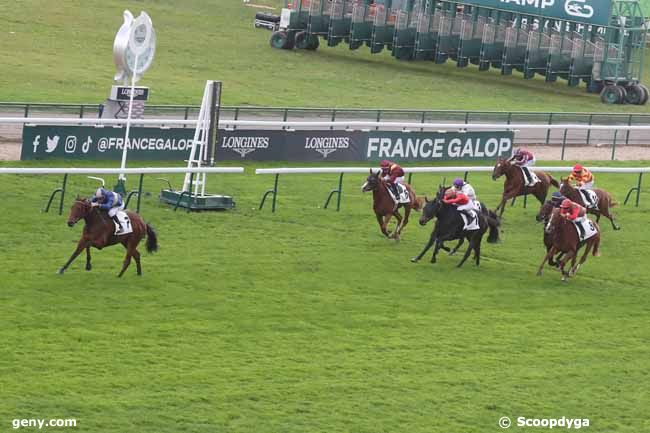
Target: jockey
{"points": [[111, 202], [462, 203], [524, 158], [393, 174], [461, 186], [573, 212], [584, 181]]}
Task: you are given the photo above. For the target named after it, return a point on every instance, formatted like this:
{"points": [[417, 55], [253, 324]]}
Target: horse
{"points": [[384, 206], [544, 216], [515, 184], [450, 226], [565, 239], [605, 201], [99, 232]]}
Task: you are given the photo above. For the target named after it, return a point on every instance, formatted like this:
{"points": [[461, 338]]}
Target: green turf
{"points": [[307, 320], [61, 51]]}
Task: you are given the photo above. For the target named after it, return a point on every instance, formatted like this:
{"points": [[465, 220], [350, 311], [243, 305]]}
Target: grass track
{"points": [[307, 320], [61, 51]]}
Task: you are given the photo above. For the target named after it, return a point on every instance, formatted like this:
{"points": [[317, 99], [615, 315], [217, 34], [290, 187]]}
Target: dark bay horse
{"points": [[384, 206], [514, 184], [99, 233], [565, 239], [605, 201], [450, 225]]}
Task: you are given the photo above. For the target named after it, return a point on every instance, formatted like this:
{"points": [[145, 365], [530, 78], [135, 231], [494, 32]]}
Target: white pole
{"points": [[128, 118]]}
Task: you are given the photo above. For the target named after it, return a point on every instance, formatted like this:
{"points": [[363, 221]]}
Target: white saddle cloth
{"points": [[126, 224], [588, 226], [590, 198], [471, 225], [404, 196]]}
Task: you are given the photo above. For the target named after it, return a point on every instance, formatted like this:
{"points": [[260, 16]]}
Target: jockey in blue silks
{"points": [[109, 201]]}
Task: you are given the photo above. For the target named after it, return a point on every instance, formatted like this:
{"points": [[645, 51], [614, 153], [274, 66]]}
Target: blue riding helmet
{"points": [[458, 182]]}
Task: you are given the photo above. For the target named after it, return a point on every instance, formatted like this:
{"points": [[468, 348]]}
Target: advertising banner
{"points": [[106, 143]]}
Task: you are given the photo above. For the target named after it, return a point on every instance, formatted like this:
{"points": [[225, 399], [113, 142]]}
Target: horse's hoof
{"points": [[597, 254], [88, 267], [60, 271], [414, 260], [539, 273], [452, 253]]}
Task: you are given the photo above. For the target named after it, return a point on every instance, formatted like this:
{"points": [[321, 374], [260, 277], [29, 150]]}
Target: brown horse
{"points": [[566, 240], [544, 216], [384, 206], [99, 232], [605, 201], [515, 185]]}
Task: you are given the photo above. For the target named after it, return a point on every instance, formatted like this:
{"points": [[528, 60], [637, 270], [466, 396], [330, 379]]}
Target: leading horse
{"points": [[99, 232], [384, 206], [515, 184]]}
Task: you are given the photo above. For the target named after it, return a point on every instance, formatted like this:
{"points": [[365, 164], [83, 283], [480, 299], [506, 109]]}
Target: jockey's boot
{"points": [[581, 230], [529, 178], [469, 215], [395, 190], [119, 224]]}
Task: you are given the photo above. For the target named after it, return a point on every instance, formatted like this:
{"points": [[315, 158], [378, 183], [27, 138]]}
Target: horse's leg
{"points": [[502, 205], [458, 245], [435, 250], [380, 221], [550, 253], [608, 215], [477, 250], [80, 247], [432, 239], [407, 213], [127, 259], [136, 256], [468, 252], [563, 262], [384, 227], [574, 269], [398, 226], [88, 265]]}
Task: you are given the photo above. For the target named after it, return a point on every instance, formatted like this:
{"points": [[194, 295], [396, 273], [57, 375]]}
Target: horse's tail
{"points": [[493, 223], [554, 182], [152, 240]]}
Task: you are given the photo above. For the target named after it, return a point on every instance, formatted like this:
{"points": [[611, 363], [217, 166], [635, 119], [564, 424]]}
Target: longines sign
{"points": [[106, 143]]}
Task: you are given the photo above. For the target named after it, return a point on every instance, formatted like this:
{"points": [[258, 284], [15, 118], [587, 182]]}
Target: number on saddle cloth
{"points": [[588, 229], [404, 196]]}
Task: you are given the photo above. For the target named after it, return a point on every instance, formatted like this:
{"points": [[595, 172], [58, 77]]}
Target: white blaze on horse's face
{"points": [[363, 187]]}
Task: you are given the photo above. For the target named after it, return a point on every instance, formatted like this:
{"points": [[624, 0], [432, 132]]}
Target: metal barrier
{"points": [[189, 112], [412, 170], [141, 171]]}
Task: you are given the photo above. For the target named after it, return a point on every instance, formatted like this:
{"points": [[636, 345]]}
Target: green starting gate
{"points": [[596, 42]]}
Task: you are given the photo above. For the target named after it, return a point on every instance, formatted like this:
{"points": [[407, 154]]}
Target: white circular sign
{"points": [[136, 38]]}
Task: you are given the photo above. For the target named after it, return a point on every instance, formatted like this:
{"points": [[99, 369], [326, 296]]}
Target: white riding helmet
{"points": [[99, 193]]}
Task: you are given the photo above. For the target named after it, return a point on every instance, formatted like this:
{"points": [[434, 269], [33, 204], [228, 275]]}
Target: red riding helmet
{"points": [[577, 168], [385, 163], [566, 203]]}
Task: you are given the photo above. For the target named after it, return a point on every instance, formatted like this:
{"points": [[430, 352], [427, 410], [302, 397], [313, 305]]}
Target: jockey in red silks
{"points": [[572, 211], [524, 158], [393, 174], [462, 202]]}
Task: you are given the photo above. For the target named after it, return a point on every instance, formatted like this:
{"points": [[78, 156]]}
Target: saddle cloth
{"points": [[404, 196], [471, 225], [126, 224], [589, 228], [590, 198], [533, 176]]}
